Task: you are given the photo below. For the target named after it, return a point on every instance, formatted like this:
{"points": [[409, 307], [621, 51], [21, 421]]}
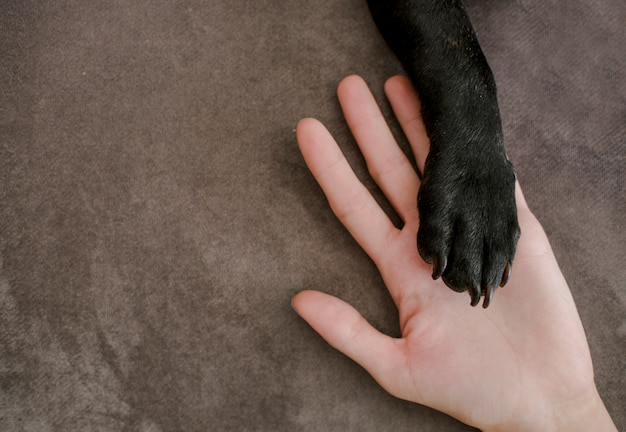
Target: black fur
{"points": [[468, 217]]}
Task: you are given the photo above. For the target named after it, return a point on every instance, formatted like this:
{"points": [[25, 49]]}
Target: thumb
{"points": [[345, 329]]}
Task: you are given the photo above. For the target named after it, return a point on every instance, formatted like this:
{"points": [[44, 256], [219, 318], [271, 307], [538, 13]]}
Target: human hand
{"points": [[521, 364]]}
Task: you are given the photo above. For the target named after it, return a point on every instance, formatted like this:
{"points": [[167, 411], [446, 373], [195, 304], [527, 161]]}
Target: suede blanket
{"points": [[156, 216]]}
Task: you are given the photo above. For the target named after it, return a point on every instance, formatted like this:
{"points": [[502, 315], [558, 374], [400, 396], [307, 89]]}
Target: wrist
{"points": [[585, 413]]}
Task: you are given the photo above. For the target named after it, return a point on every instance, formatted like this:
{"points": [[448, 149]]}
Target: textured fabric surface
{"points": [[156, 217]]}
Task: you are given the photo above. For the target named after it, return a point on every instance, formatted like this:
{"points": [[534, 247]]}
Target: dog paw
{"points": [[468, 224]]}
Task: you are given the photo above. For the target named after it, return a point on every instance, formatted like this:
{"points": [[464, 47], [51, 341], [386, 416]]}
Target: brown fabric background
{"points": [[156, 217]]}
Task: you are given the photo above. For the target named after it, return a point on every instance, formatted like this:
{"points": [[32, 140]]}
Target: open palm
{"points": [[511, 366]]}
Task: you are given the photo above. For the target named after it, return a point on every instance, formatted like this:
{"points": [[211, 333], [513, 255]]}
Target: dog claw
{"points": [[506, 275], [475, 295], [439, 266], [488, 296]]}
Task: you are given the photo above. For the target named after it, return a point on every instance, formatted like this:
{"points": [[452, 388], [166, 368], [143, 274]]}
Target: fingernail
{"points": [[294, 308]]}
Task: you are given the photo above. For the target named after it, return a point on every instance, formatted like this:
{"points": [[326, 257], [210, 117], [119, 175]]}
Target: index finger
{"points": [[349, 199], [386, 162]]}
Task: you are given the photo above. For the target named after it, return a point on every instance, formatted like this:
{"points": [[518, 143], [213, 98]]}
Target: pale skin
{"points": [[523, 364]]}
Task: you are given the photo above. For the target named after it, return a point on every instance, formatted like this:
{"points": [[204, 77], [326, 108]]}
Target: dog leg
{"points": [[468, 216]]}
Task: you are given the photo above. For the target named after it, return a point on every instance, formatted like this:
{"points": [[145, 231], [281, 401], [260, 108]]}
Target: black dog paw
{"points": [[468, 217], [468, 224]]}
